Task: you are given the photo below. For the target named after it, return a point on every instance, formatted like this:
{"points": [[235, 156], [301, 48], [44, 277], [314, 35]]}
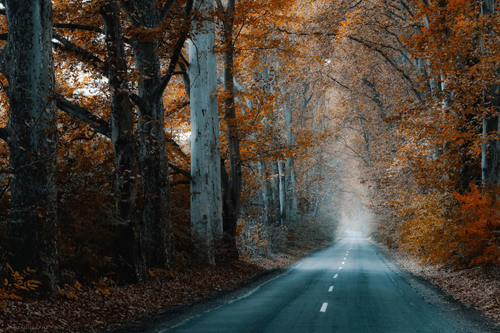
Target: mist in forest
{"points": [[348, 198], [354, 212]]}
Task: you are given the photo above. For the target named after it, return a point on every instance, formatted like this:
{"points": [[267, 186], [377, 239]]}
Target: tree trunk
{"points": [[282, 194], [32, 139], [268, 170], [289, 192], [234, 183], [291, 198], [490, 152], [264, 192], [157, 228], [127, 243], [319, 183], [275, 193], [206, 204]]}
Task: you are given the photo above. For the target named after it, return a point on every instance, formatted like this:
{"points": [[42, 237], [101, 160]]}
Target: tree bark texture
{"points": [[156, 225], [206, 201], [232, 193], [265, 192], [282, 194], [127, 243], [32, 139], [274, 199], [291, 193], [490, 152], [268, 170]]}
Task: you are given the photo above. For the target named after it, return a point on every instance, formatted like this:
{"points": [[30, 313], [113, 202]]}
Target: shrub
{"points": [[458, 231], [15, 285]]}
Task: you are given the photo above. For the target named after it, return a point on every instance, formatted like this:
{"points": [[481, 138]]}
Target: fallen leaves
{"points": [[472, 287], [91, 311]]}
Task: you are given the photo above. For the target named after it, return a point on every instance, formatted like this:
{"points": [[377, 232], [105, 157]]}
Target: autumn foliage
{"points": [[416, 86], [460, 231], [409, 89], [122, 171]]}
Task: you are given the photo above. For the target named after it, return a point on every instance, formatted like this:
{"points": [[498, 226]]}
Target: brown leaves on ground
{"points": [[471, 287], [93, 310]]}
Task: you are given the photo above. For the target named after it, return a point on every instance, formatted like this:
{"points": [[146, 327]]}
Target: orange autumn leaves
{"points": [[459, 41], [460, 231], [422, 76], [480, 216]]}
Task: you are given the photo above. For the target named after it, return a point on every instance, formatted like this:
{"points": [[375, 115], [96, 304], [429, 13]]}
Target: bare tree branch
{"points": [[73, 26], [166, 9], [176, 54], [67, 45], [185, 173], [84, 115], [390, 62], [337, 82], [303, 33]]}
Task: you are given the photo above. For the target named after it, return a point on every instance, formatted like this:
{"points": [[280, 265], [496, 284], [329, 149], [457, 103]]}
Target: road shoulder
{"points": [[467, 317], [175, 315]]}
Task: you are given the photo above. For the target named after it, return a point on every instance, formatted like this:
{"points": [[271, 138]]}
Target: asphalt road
{"points": [[349, 287]]}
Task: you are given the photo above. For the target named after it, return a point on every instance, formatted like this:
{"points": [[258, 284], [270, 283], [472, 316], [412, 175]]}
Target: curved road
{"points": [[345, 288]]}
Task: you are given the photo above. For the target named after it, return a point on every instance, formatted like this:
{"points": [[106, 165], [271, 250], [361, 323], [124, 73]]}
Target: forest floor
{"points": [[472, 287], [101, 307]]}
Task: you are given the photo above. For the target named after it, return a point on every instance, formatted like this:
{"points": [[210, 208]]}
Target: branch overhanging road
{"points": [[348, 287]]}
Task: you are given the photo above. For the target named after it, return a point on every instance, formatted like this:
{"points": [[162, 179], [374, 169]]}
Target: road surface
{"points": [[348, 287]]}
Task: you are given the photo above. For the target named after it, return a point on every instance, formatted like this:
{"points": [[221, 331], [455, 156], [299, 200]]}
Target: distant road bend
{"points": [[347, 287]]}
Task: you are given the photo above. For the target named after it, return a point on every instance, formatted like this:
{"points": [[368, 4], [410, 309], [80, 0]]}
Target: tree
{"points": [[420, 76], [128, 243], [490, 152], [27, 63], [148, 24], [145, 18], [233, 184], [143, 85], [206, 203]]}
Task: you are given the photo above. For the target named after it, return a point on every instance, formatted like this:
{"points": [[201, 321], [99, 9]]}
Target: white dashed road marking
{"points": [[323, 307], [335, 276], [330, 289]]}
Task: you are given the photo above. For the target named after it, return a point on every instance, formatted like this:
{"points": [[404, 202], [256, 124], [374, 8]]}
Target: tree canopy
{"points": [[147, 134]]}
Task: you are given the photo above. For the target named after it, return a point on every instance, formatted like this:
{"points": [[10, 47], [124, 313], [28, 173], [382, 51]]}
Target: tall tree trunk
{"points": [[268, 170], [275, 192], [291, 199], [157, 226], [490, 152], [265, 192], [319, 189], [282, 194], [232, 195], [206, 203], [32, 139], [127, 243]]}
